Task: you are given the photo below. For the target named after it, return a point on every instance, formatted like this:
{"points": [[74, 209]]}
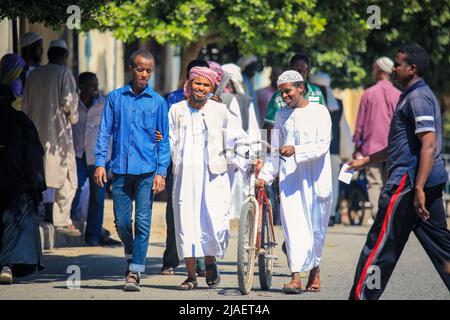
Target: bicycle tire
{"points": [[246, 253], [265, 266]]}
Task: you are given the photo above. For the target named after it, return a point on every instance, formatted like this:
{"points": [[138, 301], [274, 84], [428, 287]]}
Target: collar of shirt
{"points": [[418, 84], [129, 89]]}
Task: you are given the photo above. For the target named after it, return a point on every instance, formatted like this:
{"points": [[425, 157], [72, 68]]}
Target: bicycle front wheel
{"points": [[246, 253], [265, 258]]}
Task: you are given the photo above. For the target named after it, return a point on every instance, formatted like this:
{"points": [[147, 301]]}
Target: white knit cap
{"points": [[29, 38], [289, 76], [385, 64], [58, 44]]}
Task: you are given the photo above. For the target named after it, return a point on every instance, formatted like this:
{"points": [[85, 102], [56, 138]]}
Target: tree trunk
{"points": [[190, 53]]}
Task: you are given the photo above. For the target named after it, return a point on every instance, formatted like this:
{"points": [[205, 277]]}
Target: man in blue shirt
{"points": [[132, 114], [412, 197]]}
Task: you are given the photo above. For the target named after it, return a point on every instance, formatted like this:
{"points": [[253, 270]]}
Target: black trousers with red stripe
{"points": [[395, 220]]}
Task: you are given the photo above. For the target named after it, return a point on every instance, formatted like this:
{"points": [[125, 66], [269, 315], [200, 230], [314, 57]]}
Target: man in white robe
{"points": [[50, 99], [241, 105], [300, 155], [199, 129]]}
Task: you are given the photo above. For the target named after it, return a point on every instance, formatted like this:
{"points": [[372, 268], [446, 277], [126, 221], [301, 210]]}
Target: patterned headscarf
{"points": [[11, 65], [195, 72], [218, 69]]}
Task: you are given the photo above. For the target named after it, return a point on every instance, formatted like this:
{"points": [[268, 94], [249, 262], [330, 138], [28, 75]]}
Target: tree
{"points": [[49, 12], [257, 26]]}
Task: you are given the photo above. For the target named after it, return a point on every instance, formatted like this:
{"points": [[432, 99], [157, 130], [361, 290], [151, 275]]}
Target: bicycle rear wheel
{"points": [[246, 248], [265, 259]]}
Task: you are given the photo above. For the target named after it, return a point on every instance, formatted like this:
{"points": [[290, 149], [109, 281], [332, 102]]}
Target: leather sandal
{"points": [[169, 271], [188, 284], [212, 280], [293, 287], [314, 280]]}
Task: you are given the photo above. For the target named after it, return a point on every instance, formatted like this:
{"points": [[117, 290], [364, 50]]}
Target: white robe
{"points": [[239, 182], [305, 181], [201, 200]]}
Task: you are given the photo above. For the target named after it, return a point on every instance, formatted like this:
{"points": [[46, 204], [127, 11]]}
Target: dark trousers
{"points": [[170, 257], [395, 220], [94, 222]]}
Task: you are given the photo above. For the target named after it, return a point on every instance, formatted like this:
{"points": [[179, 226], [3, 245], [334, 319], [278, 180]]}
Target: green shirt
{"points": [[313, 94]]}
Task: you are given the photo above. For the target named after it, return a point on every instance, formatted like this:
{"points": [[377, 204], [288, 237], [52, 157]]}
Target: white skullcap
{"points": [[245, 61], [385, 64], [289, 76], [29, 38], [58, 44]]}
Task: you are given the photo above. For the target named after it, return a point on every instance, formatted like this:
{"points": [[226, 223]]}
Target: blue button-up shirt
{"points": [[132, 121], [175, 97]]}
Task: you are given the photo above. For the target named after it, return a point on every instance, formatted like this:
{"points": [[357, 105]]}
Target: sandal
{"points": [[188, 284], [293, 287], [213, 280], [314, 280], [169, 271]]}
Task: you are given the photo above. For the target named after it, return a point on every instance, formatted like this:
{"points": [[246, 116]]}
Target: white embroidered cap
{"points": [[289, 76]]}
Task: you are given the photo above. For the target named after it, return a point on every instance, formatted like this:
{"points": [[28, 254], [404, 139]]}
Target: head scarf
{"points": [[195, 72], [289, 76], [385, 64], [11, 66], [218, 69], [235, 74], [323, 79]]}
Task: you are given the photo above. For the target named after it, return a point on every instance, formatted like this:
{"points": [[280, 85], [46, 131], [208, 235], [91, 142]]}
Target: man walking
{"points": [[412, 198], [51, 101], [372, 126], [132, 114]]}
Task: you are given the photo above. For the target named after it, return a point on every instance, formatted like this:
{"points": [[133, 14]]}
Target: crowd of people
{"points": [[68, 132]]}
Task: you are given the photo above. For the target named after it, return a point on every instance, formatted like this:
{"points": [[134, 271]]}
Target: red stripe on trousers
{"points": [[380, 238]]}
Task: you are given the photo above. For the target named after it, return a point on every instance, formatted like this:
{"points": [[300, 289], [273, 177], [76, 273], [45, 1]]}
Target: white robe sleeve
{"points": [[272, 165], [69, 97], [234, 135], [319, 147], [173, 133], [253, 131]]}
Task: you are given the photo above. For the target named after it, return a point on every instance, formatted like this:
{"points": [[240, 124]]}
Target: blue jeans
{"points": [[125, 187], [94, 222]]}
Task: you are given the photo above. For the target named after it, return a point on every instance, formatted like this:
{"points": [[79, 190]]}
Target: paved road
{"points": [[102, 272]]}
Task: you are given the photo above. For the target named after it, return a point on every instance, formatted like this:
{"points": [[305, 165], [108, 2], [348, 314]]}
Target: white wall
{"points": [[107, 59]]}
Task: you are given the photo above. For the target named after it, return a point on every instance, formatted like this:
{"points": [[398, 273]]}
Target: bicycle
{"points": [[256, 237]]}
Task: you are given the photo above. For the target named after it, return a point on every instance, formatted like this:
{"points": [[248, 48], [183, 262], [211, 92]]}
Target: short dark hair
{"points": [[86, 76], [298, 83], [299, 57], [55, 53], [417, 55], [196, 63], [143, 53]]}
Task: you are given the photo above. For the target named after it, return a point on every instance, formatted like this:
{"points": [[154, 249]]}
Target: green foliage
{"points": [[257, 26], [52, 13], [334, 33]]}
